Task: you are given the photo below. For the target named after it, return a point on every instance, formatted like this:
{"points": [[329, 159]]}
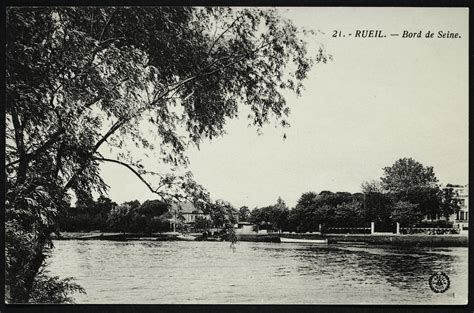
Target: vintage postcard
{"points": [[236, 155]]}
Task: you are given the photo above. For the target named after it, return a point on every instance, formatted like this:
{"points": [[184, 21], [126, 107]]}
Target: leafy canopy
{"points": [[406, 173], [85, 82], [81, 78]]}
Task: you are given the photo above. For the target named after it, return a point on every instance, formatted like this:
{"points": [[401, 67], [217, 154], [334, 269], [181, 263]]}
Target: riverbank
{"points": [[388, 239], [116, 236], [403, 240], [159, 237], [392, 240]]}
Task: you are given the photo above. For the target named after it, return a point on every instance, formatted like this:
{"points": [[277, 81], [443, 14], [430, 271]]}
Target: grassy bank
{"points": [[258, 238], [303, 235], [404, 240], [116, 236], [394, 240]]}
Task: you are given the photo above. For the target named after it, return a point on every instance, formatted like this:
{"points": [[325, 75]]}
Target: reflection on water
{"points": [[210, 272]]}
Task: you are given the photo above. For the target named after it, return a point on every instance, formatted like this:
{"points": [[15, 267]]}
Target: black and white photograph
{"points": [[236, 155]]}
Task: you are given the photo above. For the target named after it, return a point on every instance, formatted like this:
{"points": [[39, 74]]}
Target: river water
{"points": [[258, 273]]}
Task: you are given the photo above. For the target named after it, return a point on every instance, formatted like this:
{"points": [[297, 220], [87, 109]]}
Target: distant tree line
{"points": [[105, 215], [406, 193], [150, 216]]}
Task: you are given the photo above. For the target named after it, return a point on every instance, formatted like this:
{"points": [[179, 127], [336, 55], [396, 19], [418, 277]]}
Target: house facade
{"points": [[461, 218], [187, 212], [245, 228]]}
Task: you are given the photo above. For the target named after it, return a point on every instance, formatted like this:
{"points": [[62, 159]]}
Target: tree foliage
{"points": [[222, 214], [408, 191], [407, 173], [372, 186], [449, 201], [113, 69], [82, 82], [244, 214], [330, 209], [427, 199], [406, 214], [87, 215], [119, 218], [377, 206], [202, 223], [53, 289], [273, 217], [351, 214]]}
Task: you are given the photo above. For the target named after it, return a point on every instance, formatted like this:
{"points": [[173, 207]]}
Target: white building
{"points": [[245, 228], [188, 212], [461, 218]]}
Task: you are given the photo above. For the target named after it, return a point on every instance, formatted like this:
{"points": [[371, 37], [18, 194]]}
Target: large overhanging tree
{"points": [[85, 81]]}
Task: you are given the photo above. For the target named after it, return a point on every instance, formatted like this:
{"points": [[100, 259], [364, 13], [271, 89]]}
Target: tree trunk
{"points": [[20, 145], [20, 290]]}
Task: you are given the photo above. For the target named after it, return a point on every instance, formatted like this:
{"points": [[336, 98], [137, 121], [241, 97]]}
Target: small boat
{"points": [[296, 240], [186, 237], [213, 239], [148, 238]]}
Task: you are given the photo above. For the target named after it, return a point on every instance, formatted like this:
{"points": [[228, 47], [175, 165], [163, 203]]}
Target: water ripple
{"points": [[210, 272]]}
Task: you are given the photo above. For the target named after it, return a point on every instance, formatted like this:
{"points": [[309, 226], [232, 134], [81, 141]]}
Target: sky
{"points": [[377, 101]]}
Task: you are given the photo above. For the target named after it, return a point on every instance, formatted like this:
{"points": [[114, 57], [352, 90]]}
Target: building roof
{"points": [[186, 207]]}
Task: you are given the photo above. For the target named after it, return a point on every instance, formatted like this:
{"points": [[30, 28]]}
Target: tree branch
{"points": [[162, 194], [155, 191], [174, 87], [43, 147], [59, 155], [106, 25], [109, 133], [222, 34], [19, 141], [104, 138], [201, 73]]}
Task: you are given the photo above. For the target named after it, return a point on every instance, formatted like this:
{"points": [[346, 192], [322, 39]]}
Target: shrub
{"points": [[435, 224], [52, 289]]}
